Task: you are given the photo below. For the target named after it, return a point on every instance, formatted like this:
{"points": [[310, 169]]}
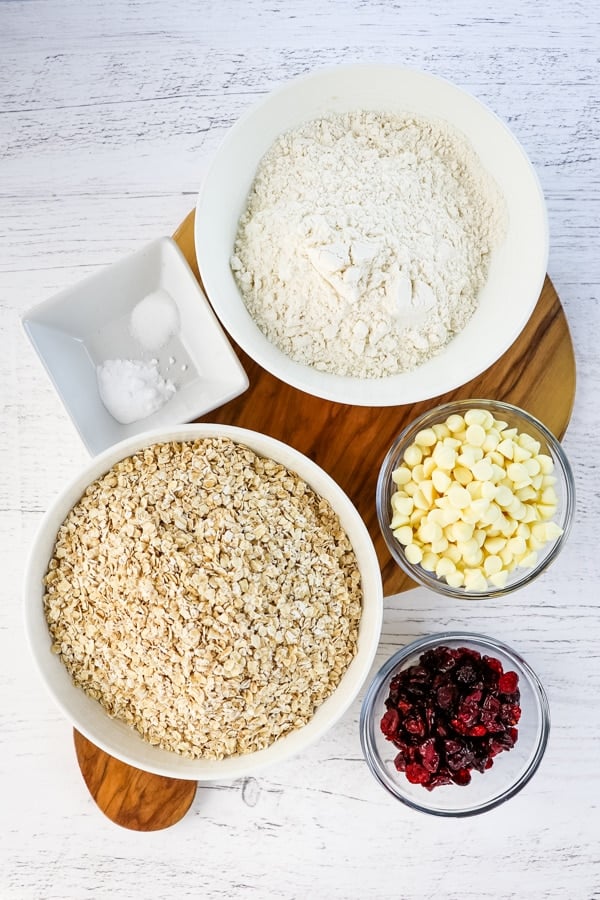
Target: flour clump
{"points": [[366, 240]]}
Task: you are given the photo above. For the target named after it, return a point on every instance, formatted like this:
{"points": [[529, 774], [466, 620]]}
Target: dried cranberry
{"points": [[415, 726], [463, 776], [477, 731], [390, 722], [430, 758], [494, 664], [459, 726], [466, 674], [446, 696], [452, 747], [438, 780], [449, 714], [508, 682], [400, 762], [416, 774], [491, 703]]}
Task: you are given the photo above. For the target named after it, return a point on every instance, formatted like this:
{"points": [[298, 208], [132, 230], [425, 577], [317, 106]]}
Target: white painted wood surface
{"points": [[108, 112]]}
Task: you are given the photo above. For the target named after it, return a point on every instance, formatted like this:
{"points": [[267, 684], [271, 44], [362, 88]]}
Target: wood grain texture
{"points": [[537, 373], [131, 797], [108, 114]]}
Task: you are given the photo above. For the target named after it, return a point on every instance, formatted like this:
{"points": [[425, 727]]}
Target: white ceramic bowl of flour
{"points": [[517, 264]]}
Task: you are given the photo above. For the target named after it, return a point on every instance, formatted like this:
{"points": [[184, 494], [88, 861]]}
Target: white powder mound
{"points": [[366, 240], [132, 389], [154, 319]]}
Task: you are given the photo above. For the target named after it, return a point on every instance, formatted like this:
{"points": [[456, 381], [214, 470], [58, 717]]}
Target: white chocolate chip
{"points": [[458, 496], [441, 480], [401, 475], [426, 438], [455, 579], [444, 567], [455, 423], [482, 470], [476, 435], [402, 505], [441, 431], [413, 455], [506, 448], [404, 534], [463, 475], [414, 554], [445, 457], [476, 499]]}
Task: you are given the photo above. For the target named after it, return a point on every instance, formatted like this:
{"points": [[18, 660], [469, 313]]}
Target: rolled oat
{"points": [[205, 595]]}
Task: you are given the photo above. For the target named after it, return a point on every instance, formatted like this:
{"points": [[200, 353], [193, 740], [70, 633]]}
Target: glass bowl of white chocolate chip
{"points": [[475, 499]]}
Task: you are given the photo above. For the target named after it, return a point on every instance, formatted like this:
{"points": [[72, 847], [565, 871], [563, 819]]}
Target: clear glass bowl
{"points": [[512, 769], [523, 422]]}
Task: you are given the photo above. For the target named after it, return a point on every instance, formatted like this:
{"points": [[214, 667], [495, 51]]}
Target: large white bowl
{"points": [[121, 740], [517, 269]]}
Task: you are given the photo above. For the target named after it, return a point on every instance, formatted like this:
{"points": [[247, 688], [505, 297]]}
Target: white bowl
{"points": [[517, 269], [119, 739], [84, 325]]}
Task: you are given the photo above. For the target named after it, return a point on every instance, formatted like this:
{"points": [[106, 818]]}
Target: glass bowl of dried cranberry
{"points": [[454, 724], [475, 499]]}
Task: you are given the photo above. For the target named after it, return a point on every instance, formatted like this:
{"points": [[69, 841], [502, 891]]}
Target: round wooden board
{"points": [[349, 442], [536, 373], [131, 797]]}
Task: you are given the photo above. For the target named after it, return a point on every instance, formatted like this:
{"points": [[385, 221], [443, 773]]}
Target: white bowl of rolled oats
{"points": [[203, 601]]}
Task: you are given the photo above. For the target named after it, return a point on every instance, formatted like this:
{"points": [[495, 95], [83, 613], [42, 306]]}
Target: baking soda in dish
{"points": [[154, 319], [366, 240], [132, 389]]}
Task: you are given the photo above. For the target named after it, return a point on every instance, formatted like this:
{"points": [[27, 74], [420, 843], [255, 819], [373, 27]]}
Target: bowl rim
{"points": [[336, 388], [425, 578], [168, 256], [232, 766], [427, 642]]}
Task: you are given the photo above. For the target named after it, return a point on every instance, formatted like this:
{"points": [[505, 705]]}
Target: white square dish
{"points": [[83, 326]]}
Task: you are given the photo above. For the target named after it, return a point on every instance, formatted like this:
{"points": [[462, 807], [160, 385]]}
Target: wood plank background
{"points": [[108, 112]]}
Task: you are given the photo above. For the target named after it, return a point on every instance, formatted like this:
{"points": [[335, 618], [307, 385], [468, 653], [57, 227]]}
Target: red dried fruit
{"points": [[477, 731], [494, 664], [400, 762], [515, 712], [446, 696], [466, 674], [430, 758], [463, 776], [507, 683], [450, 714], [492, 704], [416, 774], [438, 780], [459, 726], [389, 723], [415, 726]]}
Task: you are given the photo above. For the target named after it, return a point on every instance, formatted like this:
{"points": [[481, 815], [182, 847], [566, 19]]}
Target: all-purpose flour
{"points": [[366, 240]]}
